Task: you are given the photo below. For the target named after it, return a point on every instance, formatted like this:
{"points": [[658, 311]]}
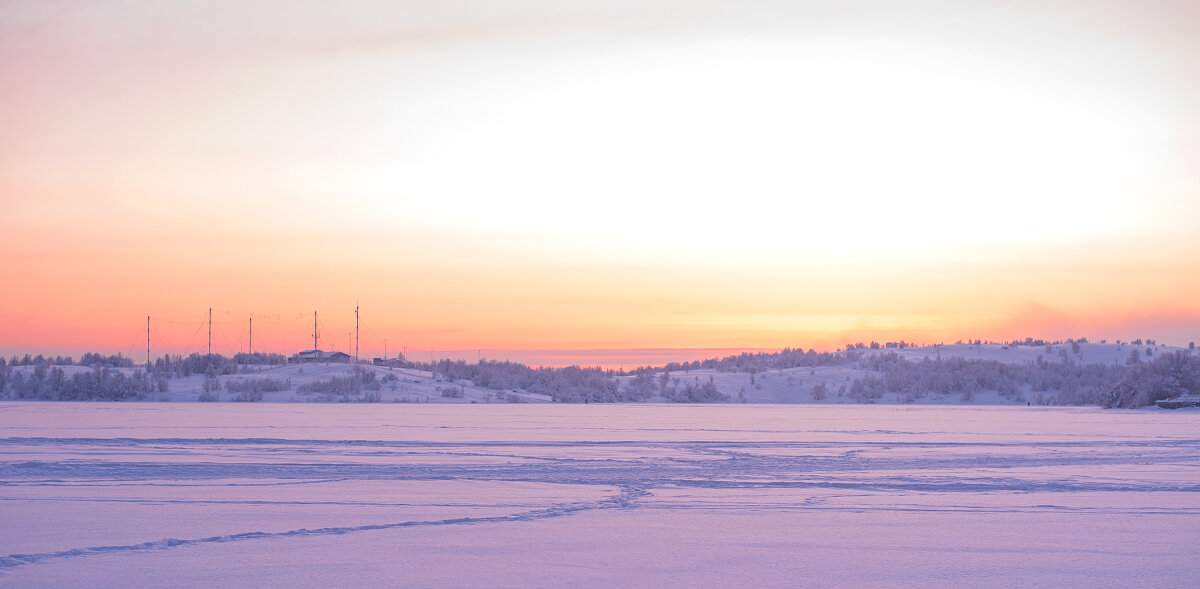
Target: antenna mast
{"points": [[147, 343], [356, 334], [314, 330], [210, 331], [252, 336]]}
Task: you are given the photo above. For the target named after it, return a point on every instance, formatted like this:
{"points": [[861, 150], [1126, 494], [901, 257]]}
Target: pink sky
{"points": [[597, 176]]}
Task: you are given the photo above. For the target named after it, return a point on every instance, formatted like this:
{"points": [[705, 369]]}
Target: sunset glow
{"points": [[595, 182]]}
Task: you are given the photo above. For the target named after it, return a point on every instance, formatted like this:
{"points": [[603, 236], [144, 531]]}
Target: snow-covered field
{"points": [[179, 495]]}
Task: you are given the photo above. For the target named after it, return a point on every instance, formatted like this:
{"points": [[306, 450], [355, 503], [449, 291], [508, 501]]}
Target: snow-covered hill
{"points": [[1090, 353], [830, 379], [796, 385], [395, 385]]}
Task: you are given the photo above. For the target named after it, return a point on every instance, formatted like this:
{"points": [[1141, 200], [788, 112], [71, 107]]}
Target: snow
{"points": [[199, 495], [417, 386], [402, 384], [793, 385], [1089, 353], [790, 385]]}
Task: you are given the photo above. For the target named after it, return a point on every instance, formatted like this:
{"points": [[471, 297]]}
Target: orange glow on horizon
{"points": [[531, 183]]}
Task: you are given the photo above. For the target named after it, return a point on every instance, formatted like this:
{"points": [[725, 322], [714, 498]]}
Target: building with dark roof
{"points": [[320, 356]]}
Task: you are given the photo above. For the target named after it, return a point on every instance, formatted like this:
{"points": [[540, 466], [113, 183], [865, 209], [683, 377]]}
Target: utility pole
{"points": [[210, 331], [356, 334]]}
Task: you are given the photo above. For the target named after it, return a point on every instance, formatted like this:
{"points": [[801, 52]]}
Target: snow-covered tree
{"points": [[1169, 375]]}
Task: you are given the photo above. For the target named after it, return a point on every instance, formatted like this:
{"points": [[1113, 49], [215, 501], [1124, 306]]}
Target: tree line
{"points": [[570, 384], [51, 383], [1135, 384]]}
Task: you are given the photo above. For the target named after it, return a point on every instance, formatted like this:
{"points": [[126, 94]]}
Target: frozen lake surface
{"points": [[179, 495]]}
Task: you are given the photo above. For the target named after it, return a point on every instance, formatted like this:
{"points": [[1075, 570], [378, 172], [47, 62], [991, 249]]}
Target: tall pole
{"points": [[210, 331], [252, 336], [147, 342], [314, 330], [356, 334]]}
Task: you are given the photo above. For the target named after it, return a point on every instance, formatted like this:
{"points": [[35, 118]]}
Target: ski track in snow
{"points": [[622, 500], [893, 467], [886, 470]]}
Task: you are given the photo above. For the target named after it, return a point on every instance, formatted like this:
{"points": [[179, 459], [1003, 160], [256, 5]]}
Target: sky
{"points": [[581, 181]]}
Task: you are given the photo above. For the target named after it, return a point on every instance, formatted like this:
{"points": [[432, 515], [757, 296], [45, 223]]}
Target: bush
{"points": [[362, 384], [258, 385], [867, 389], [212, 383], [693, 393], [249, 397], [337, 386]]}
